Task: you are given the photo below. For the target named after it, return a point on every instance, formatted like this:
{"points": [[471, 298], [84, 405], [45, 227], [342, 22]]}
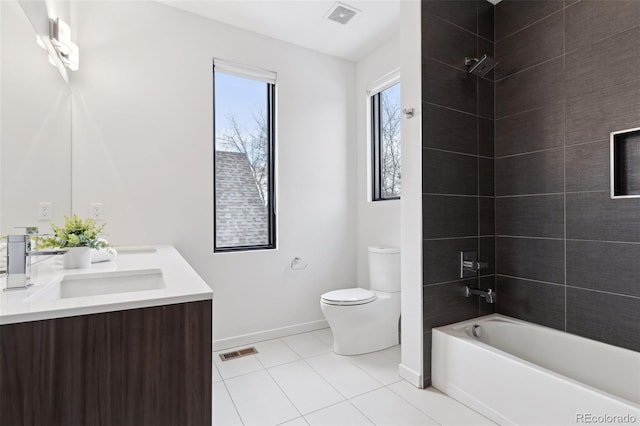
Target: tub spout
{"points": [[489, 295]]}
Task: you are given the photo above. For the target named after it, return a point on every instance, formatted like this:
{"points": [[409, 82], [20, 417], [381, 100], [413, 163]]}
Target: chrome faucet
{"points": [[19, 256], [489, 295]]}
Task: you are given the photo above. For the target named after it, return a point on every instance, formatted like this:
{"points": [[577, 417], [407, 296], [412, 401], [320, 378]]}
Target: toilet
{"points": [[363, 320]]}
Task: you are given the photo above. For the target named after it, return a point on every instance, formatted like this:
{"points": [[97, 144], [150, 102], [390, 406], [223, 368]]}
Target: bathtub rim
{"points": [[457, 331]]}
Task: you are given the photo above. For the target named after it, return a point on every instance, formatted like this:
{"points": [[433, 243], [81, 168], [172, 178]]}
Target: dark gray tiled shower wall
{"points": [[566, 255], [458, 145], [561, 241]]}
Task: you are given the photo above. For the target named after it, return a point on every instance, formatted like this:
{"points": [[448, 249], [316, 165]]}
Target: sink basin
{"points": [[100, 283]]}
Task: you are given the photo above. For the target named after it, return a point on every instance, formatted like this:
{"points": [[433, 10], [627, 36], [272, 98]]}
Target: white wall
{"points": [[35, 130], [379, 221], [411, 367], [142, 145]]}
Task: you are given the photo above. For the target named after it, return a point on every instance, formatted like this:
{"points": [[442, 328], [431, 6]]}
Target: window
{"points": [[385, 141], [244, 132]]}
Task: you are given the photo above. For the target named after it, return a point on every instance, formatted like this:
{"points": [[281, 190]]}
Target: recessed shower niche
{"points": [[625, 163]]}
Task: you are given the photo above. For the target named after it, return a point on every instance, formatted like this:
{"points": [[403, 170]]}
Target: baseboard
{"points": [[275, 333], [411, 376]]}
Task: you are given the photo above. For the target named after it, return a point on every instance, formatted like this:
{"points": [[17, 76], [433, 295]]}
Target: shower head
{"points": [[480, 67]]}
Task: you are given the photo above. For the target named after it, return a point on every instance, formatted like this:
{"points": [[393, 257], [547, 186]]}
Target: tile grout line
{"points": [[532, 280], [235, 407], [283, 392], [564, 160], [460, 152], [529, 25], [632, 28], [611, 293], [529, 68]]}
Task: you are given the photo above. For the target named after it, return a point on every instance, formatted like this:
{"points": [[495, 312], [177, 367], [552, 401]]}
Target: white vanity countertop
{"points": [[181, 284]]}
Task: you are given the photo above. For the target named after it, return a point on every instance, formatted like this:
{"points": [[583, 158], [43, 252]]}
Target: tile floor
{"points": [[298, 380]]}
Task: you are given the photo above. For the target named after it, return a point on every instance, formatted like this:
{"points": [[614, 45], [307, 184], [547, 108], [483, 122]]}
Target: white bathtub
{"points": [[521, 373]]}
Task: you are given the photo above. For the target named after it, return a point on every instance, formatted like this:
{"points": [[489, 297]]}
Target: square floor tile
{"points": [[216, 374], [394, 353], [342, 414], [343, 375], [300, 421], [224, 412], [324, 335], [275, 352], [305, 388], [380, 367], [237, 366], [306, 345], [259, 400], [385, 408], [438, 406]]}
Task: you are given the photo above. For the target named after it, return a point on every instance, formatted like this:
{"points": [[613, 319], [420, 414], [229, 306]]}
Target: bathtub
{"points": [[516, 372]]}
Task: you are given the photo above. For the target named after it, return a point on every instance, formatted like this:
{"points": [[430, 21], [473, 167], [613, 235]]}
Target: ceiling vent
{"points": [[341, 13]]}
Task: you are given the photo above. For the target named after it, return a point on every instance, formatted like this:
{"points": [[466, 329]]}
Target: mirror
{"points": [[35, 128]]}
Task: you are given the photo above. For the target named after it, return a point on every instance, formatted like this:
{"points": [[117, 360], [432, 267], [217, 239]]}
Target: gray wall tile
{"points": [[593, 116], [531, 301], [533, 88], [589, 21], [450, 87], [535, 173], [458, 111], [450, 130], [514, 15], [487, 254], [611, 267], [426, 353], [449, 173], [595, 216], [613, 61], [606, 317], [485, 19], [446, 42], [535, 44], [486, 176], [462, 13], [486, 104], [587, 167], [532, 216], [533, 130], [536, 259], [445, 303], [485, 137], [449, 216], [487, 216], [442, 258]]}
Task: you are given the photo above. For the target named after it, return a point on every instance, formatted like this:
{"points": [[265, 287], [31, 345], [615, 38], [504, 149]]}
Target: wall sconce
{"points": [[68, 52]]}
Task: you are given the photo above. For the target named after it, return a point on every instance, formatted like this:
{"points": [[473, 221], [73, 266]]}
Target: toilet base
{"points": [[364, 328]]}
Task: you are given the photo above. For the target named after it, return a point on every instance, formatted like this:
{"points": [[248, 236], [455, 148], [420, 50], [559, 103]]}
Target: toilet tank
{"points": [[384, 269]]}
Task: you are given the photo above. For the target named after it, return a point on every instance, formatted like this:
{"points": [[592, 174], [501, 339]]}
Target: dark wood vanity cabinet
{"points": [[148, 366]]}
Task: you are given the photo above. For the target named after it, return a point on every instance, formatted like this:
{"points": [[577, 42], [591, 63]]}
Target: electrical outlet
{"points": [[45, 211], [96, 211]]}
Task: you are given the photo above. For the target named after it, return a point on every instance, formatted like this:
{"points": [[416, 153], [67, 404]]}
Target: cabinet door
{"points": [[148, 366]]}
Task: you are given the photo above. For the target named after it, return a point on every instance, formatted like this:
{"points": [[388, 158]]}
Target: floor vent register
{"points": [[238, 354]]}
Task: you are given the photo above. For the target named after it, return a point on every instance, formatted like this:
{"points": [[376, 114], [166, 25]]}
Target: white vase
{"points": [[77, 258]]}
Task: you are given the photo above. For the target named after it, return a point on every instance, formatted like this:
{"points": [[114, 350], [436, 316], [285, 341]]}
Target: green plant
{"points": [[75, 233]]}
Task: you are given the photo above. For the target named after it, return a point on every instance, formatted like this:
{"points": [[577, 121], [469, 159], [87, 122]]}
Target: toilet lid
{"points": [[349, 296]]}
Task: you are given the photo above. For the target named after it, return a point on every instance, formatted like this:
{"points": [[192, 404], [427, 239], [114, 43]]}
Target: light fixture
{"points": [[68, 51]]}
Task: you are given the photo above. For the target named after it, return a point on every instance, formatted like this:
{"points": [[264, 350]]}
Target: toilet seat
{"points": [[348, 297]]}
